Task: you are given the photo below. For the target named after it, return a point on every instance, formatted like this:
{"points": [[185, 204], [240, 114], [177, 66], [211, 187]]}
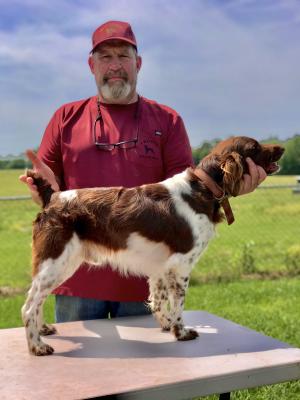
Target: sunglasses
{"points": [[126, 144]]}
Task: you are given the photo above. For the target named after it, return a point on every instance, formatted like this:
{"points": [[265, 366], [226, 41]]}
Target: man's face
{"points": [[115, 66]]}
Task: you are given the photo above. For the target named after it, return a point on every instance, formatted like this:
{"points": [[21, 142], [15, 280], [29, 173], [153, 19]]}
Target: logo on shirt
{"points": [[150, 149]]}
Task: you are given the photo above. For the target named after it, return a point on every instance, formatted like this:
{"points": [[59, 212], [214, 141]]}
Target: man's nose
{"points": [[115, 63]]}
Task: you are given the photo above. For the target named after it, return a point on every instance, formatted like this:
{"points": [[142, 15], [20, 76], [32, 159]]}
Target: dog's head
{"points": [[227, 160]]}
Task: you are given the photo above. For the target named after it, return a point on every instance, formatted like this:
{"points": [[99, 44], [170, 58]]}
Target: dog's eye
{"points": [[253, 147]]}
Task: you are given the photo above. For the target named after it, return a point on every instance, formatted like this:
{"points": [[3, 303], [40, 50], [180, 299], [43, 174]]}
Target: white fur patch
{"points": [[141, 257], [65, 265], [203, 229], [178, 184], [68, 195]]}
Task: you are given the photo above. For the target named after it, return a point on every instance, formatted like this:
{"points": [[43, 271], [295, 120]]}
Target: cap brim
{"points": [[115, 38]]}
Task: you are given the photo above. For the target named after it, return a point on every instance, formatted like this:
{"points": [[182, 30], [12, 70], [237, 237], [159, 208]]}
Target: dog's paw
{"points": [[41, 349], [47, 330], [188, 334], [165, 329], [183, 334]]}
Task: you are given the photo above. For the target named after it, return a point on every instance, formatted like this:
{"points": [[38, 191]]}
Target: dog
{"points": [[148, 149], [156, 230]]}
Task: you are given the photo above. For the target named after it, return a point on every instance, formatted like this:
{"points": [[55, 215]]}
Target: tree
{"points": [[202, 151], [290, 164]]}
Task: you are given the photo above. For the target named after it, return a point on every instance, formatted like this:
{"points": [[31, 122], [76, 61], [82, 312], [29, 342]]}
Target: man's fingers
{"points": [[253, 172], [247, 180], [36, 162], [246, 184], [261, 175], [42, 168], [250, 181], [257, 173], [29, 182], [26, 179], [23, 178]]}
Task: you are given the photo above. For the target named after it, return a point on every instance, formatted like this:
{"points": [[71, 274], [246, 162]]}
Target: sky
{"points": [[228, 67]]}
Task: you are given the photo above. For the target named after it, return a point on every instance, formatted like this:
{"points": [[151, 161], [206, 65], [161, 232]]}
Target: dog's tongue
{"points": [[272, 168]]}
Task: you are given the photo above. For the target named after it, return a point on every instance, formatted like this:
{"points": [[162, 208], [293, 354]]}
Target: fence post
{"points": [[296, 189]]}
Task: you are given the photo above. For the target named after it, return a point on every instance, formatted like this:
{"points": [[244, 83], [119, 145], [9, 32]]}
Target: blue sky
{"points": [[229, 67]]}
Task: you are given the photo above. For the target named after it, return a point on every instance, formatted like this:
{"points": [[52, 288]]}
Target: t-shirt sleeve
{"points": [[50, 148], [177, 152]]}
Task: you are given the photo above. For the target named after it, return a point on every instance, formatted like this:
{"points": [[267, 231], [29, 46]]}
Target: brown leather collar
{"points": [[218, 193]]}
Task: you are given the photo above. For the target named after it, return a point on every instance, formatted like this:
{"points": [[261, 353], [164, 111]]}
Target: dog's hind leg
{"points": [[42, 327], [32, 310], [51, 273]]}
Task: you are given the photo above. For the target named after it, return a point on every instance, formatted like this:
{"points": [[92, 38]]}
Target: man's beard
{"points": [[116, 91]]}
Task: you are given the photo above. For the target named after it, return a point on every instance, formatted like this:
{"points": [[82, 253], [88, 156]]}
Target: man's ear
{"points": [[138, 63], [91, 63], [233, 171]]}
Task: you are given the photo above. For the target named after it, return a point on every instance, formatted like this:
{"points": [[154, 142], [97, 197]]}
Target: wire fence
{"points": [[263, 241]]}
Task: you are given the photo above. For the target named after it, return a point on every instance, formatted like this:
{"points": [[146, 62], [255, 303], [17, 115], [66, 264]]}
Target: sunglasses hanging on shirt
{"points": [[126, 144]]}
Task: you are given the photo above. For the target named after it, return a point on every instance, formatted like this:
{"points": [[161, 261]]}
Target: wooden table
{"points": [[130, 358]]}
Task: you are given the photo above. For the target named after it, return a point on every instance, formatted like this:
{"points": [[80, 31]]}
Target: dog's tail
{"points": [[44, 188]]}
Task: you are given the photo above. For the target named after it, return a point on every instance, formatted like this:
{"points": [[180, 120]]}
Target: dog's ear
{"points": [[232, 167]]}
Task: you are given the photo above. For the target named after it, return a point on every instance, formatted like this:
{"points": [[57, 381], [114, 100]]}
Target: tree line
{"points": [[290, 163]]}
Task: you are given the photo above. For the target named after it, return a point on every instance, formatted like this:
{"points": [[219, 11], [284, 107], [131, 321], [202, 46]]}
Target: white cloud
{"points": [[224, 68]]}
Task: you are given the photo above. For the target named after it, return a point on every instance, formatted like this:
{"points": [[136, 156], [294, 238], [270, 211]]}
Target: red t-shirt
{"points": [[68, 148]]}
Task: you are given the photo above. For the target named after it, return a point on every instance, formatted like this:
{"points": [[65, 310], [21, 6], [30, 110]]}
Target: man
{"points": [[116, 138]]}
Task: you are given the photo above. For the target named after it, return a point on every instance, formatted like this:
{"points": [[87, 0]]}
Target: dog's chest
{"points": [[201, 227], [203, 230]]}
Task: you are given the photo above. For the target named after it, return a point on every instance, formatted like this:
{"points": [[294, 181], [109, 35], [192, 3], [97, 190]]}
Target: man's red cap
{"points": [[113, 30]]}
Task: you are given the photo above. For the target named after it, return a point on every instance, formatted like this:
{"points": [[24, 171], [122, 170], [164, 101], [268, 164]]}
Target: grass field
{"points": [[9, 183], [228, 280]]}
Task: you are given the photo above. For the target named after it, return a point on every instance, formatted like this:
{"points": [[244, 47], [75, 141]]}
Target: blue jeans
{"points": [[68, 308]]}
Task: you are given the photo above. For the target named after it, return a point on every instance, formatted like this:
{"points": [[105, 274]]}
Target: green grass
{"points": [[15, 238], [280, 180], [10, 310], [269, 307], [263, 239], [10, 185]]}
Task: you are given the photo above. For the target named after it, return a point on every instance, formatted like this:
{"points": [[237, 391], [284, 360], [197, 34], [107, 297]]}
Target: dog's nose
{"points": [[279, 150]]}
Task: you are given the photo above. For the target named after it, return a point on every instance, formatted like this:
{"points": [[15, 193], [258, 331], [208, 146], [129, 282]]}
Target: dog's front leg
{"points": [[177, 285], [159, 301]]}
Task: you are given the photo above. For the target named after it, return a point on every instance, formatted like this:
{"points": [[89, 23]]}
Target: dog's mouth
{"points": [[271, 165], [272, 168]]}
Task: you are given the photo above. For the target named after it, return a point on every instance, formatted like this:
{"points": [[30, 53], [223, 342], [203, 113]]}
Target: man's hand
{"points": [[44, 171], [255, 177]]}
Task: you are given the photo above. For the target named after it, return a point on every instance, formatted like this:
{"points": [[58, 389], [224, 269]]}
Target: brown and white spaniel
{"points": [[156, 230]]}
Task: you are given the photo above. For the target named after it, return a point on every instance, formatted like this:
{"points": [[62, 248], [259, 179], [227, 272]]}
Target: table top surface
{"points": [[131, 356]]}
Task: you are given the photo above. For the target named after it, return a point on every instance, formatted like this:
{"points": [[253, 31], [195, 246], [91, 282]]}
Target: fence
{"points": [[263, 241]]}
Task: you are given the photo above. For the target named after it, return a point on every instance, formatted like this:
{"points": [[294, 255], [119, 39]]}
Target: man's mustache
{"points": [[122, 75]]}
